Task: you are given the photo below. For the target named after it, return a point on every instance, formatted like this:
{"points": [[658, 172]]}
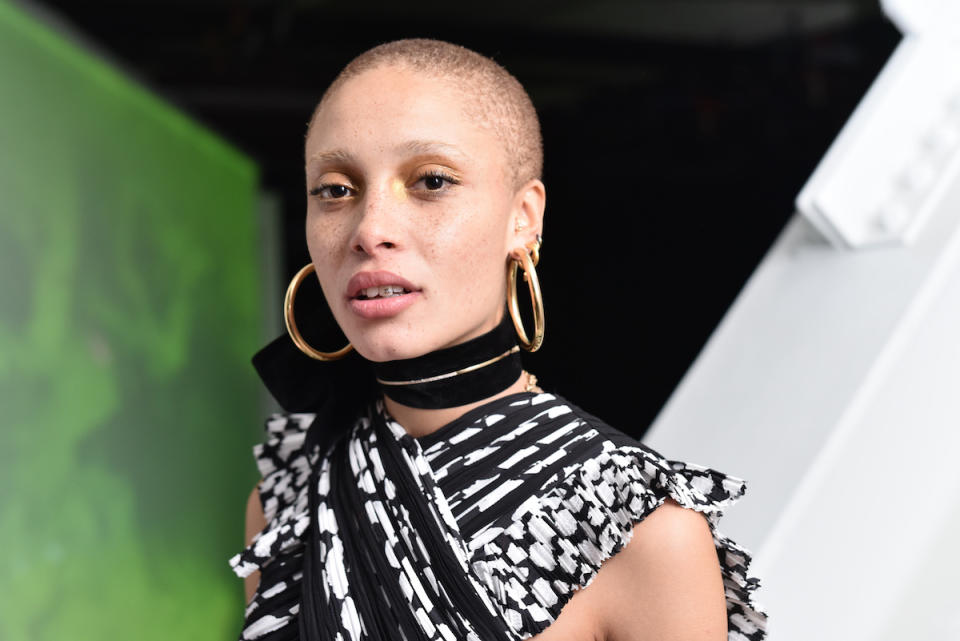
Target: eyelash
{"points": [[436, 173], [316, 191]]}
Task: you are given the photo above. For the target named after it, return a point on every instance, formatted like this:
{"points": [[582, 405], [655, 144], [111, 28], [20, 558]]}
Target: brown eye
{"points": [[333, 191], [434, 182]]}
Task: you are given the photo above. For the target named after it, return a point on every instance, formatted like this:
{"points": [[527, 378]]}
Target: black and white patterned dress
{"points": [[480, 530]]}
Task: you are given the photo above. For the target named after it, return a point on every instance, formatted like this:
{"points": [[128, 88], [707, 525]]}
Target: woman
{"points": [[424, 487]]}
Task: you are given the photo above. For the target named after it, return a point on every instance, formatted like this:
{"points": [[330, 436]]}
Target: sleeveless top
{"points": [[482, 529]]}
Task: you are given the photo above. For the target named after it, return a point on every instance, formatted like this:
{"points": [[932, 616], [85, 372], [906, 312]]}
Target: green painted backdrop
{"points": [[129, 296]]}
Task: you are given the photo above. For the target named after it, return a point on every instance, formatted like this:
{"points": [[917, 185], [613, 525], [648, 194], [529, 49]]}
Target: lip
{"points": [[380, 307]]}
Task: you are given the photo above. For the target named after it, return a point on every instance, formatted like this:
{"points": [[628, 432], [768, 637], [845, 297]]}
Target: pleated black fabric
{"points": [[481, 530]]}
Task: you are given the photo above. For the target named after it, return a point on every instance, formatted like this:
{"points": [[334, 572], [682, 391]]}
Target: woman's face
{"points": [[411, 214]]}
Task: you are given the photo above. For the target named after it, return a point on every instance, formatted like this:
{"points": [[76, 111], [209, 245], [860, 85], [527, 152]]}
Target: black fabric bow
{"points": [[336, 390]]}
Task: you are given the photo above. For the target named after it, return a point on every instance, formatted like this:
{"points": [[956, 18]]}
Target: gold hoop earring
{"points": [[529, 275], [291, 323], [535, 250]]}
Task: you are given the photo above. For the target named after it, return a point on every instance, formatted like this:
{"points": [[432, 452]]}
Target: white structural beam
{"points": [[881, 177], [833, 382], [933, 18], [833, 386]]}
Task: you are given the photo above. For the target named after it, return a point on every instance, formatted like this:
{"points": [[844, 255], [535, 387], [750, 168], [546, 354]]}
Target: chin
{"points": [[396, 339], [382, 346], [382, 354]]}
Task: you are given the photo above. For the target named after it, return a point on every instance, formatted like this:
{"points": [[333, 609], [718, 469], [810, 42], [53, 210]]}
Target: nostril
{"points": [[369, 246]]}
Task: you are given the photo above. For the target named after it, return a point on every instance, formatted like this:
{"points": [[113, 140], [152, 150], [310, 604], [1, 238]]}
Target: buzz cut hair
{"points": [[495, 98]]}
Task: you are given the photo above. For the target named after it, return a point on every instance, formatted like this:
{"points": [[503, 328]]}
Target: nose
{"points": [[377, 226]]}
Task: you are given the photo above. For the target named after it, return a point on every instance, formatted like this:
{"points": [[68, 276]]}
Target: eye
{"points": [[332, 191], [435, 180]]}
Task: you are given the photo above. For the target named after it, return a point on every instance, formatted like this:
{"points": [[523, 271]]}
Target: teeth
{"points": [[385, 291]]}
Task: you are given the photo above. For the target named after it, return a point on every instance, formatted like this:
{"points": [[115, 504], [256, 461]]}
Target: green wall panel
{"points": [[129, 299]]}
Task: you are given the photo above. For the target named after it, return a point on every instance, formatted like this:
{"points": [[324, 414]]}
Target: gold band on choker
{"points": [[439, 377]]}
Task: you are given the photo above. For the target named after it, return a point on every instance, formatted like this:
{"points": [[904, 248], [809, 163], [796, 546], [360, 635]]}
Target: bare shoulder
{"points": [[577, 620], [255, 522], [665, 583]]}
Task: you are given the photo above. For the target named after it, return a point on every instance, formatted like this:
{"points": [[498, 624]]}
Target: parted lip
{"points": [[363, 280]]}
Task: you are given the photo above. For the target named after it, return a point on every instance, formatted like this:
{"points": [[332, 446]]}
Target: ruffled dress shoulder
{"points": [[593, 483], [537, 493], [277, 550]]}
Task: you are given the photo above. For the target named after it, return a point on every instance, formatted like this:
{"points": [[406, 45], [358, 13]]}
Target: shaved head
{"points": [[494, 99]]}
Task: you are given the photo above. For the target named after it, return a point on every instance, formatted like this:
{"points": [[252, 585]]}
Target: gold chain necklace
{"points": [[532, 383]]}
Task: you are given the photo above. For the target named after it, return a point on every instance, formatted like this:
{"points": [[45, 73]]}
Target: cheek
{"points": [[472, 249], [326, 239]]}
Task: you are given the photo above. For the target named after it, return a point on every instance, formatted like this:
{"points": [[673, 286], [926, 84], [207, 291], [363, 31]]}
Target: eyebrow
{"points": [[428, 147], [410, 147], [334, 156]]}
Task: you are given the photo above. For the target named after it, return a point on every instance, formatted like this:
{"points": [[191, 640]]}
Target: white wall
{"points": [[833, 386]]}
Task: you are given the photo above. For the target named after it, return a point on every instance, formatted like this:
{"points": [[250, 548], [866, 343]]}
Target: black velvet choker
{"points": [[336, 391], [464, 373]]}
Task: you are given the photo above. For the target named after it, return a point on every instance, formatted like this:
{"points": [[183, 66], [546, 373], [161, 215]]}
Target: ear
{"points": [[526, 217]]}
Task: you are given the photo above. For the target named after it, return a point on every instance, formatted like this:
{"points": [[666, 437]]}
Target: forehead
{"points": [[390, 109]]}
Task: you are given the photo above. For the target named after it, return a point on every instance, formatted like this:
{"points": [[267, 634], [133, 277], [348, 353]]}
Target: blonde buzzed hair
{"points": [[497, 100]]}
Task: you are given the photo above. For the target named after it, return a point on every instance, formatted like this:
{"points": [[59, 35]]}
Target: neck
{"points": [[420, 422]]}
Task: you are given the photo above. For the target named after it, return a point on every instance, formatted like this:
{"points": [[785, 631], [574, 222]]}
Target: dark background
{"points": [[676, 134]]}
